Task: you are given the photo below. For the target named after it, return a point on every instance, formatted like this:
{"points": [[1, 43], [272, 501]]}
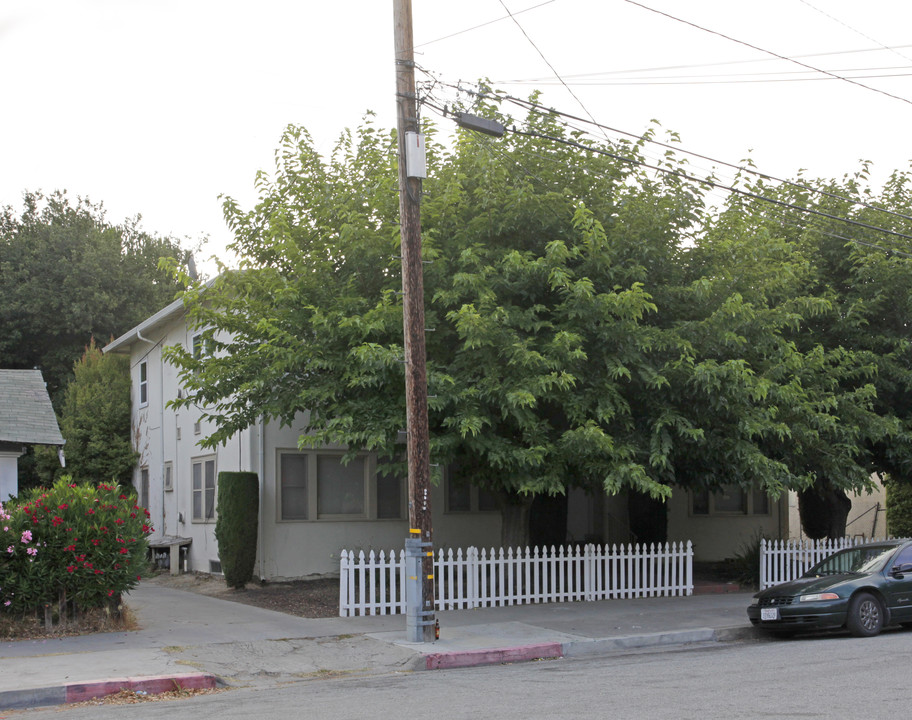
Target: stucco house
{"points": [[312, 506], [26, 418]]}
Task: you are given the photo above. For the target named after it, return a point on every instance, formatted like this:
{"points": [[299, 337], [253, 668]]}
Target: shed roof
{"points": [[26, 413]]}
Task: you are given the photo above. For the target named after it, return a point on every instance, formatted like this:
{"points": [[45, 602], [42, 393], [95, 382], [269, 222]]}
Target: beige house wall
{"points": [[867, 519]]}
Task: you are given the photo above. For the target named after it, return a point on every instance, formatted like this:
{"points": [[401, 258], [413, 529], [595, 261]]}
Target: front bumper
{"points": [[802, 616]]}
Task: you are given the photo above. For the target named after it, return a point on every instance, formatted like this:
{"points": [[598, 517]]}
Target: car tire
{"points": [[866, 615]]}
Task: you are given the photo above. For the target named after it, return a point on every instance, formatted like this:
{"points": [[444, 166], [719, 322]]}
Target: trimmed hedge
{"points": [[236, 524], [899, 507]]}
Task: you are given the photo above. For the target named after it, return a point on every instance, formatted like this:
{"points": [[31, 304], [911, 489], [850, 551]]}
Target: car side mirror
{"points": [[899, 571]]}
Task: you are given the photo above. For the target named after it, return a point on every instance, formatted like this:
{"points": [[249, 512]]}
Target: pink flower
{"points": [[26, 536]]}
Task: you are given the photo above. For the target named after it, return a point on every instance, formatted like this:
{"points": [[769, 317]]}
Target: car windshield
{"points": [[854, 560]]}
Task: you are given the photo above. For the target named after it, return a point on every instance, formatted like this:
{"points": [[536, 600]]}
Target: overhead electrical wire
{"points": [[532, 106], [692, 66], [484, 24], [767, 52], [712, 183], [854, 30], [744, 79], [547, 62]]}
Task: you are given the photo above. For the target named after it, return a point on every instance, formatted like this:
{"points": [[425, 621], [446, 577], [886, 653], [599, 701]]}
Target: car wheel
{"points": [[866, 616]]}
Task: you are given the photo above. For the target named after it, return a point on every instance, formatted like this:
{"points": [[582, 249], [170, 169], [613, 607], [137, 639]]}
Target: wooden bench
{"points": [[177, 546]]}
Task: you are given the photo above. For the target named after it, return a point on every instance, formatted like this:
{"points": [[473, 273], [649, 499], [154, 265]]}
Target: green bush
{"points": [[236, 525], [899, 507], [71, 546]]}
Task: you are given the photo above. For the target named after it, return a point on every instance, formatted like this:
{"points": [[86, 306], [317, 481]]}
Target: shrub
{"points": [[236, 525], [71, 546], [746, 562], [899, 507]]}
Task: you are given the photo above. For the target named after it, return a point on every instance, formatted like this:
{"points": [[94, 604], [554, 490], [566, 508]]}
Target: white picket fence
{"points": [[374, 584], [784, 560]]}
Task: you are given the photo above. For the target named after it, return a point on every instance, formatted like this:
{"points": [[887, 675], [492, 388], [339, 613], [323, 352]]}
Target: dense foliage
{"points": [[67, 275], [237, 518], [95, 422], [70, 547], [594, 324], [899, 507]]}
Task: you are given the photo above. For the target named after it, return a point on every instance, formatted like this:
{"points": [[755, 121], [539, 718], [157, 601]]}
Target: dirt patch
{"points": [[303, 598], [97, 620]]}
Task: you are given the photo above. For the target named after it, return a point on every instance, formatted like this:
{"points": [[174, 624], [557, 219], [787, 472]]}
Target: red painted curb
{"points": [[470, 658], [152, 684]]}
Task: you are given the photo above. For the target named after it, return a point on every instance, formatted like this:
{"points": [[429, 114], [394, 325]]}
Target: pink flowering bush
{"points": [[70, 546]]}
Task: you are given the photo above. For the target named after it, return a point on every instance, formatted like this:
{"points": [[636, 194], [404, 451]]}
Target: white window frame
{"points": [[168, 476], [198, 488], [143, 487], [143, 383]]}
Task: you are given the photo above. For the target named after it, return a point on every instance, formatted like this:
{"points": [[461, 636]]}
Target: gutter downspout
{"points": [[161, 428]]}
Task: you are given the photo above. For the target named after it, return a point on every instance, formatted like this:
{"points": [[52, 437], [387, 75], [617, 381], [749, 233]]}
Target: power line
{"points": [[711, 183], [484, 24], [547, 62], [531, 106], [767, 52], [691, 66], [781, 205], [684, 80], [854, 30]]}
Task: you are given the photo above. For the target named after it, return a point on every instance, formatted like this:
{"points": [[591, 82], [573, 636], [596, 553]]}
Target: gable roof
{"points": [[26, 414]]}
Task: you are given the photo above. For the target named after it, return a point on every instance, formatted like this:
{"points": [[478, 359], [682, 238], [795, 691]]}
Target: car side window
{"points": [[904, 557]]}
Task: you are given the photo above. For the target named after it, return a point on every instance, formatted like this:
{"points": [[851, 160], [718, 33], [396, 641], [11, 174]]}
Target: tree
{"points": [[68, 275], [95, 419], [577, 341], [861, 300]]}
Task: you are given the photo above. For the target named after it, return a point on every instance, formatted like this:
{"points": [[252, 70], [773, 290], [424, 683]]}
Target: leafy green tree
{"points": [[591, 327], [859, 294], [537, 306], [95, 419], [68, 275]]}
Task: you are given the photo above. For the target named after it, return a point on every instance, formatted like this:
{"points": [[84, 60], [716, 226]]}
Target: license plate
{"points": [[769, 613]]}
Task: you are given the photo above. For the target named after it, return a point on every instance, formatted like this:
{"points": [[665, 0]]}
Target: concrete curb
{"points": [[496, 656], [581, 648], [79, 692]]}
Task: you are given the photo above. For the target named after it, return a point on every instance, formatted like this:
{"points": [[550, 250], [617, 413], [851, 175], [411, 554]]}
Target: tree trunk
{"points": [[824, 511], [514, 514]]}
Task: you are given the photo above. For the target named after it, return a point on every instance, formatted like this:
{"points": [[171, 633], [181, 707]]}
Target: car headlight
{"points": [[817, 597]]}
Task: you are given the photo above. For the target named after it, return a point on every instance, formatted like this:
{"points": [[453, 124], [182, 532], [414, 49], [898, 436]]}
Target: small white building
{"points": [[312, 506], [26, 418]]}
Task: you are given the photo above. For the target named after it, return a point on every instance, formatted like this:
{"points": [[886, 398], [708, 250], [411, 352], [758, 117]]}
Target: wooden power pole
{"points": [[411, 170]]}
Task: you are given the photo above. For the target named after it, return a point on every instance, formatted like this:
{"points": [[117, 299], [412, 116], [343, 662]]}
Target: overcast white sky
{"points": [[157, 107]]}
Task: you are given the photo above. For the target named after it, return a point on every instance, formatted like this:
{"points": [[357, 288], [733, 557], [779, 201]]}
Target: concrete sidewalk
{"points": [[191, 640]]}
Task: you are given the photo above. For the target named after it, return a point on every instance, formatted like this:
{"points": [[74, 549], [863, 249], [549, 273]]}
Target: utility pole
{"points": [[419, 554]]}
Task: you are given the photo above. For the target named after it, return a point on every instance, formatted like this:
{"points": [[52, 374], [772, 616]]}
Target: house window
{"points": [[340, 488], [319, 486], [293, 486], [143, 384], [729, 500], [462, 497], [168, 476], [202, 472], [389, 496], [144, 487], [202, 346]]}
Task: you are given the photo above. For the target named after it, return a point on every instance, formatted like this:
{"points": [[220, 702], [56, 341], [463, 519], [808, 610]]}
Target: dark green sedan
{"points": [[862, 589]]}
